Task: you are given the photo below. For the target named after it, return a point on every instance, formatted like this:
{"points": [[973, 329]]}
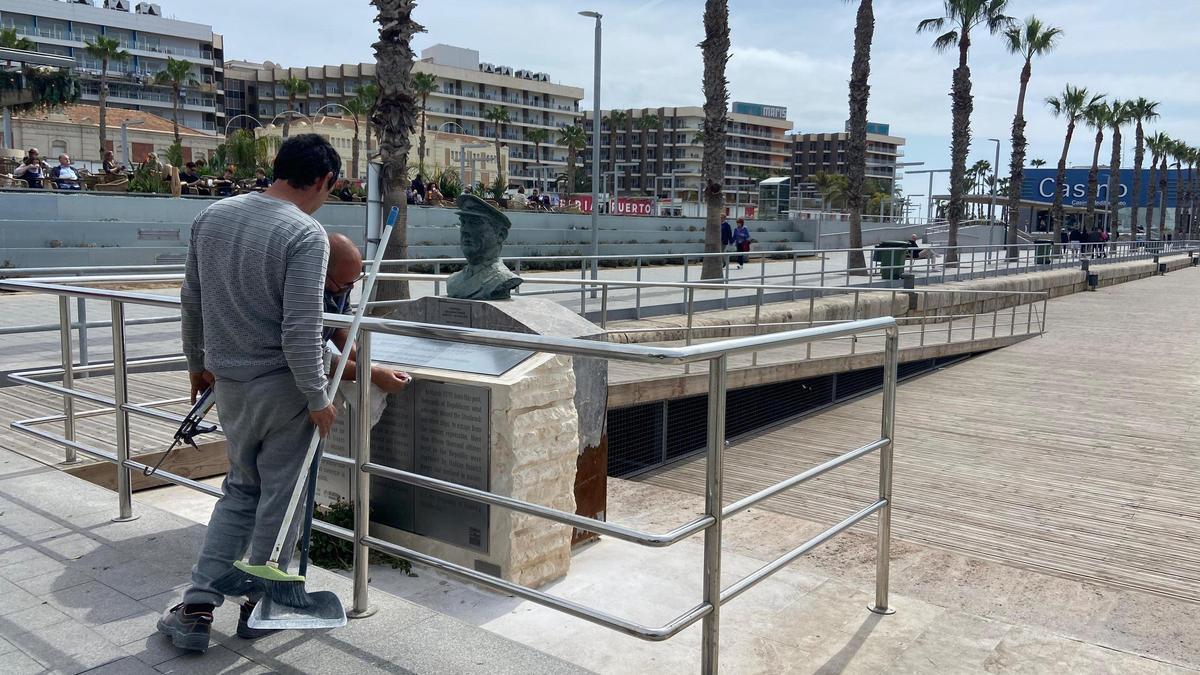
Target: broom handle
{"points": [[368, 288]]}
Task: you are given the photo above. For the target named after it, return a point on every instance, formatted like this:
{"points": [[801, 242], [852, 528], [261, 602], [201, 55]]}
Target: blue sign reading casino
{"points": [[1038, 186]]}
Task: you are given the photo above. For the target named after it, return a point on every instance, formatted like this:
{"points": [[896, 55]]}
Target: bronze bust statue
{"points": [[483, 230]]}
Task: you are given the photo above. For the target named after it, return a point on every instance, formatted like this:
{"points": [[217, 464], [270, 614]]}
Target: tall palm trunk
{"points": [[1191, 201], [1060, 181], [287, 116], [1164, 167], [176, 94], [715, 50], [1152, 197], [571, 159], [395, 114], [960, 142], [856, 149], [499, 166], [1089, 217], [1179, 196], [104, 110], [421, 140], [354, 156], [1017, 168], [1138, 155], [1114, 188]]}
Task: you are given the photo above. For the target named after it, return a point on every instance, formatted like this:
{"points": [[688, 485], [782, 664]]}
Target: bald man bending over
{"points": [[345, 269]]}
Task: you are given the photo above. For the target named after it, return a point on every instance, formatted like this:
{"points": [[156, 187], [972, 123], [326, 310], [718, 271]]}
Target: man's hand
{"points": [[200, 381], [323, 419], [391, 381]]}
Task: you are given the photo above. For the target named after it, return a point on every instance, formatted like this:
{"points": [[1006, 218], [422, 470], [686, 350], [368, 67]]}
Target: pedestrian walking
{"points": [[741, 240]]}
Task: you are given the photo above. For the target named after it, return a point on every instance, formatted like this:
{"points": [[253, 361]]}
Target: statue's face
{"points": [[480, 241]]}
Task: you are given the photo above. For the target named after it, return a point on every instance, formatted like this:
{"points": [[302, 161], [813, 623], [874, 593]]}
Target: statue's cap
{"points": [[470, 205]]}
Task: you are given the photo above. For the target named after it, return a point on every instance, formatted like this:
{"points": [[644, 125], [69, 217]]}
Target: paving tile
{"points": [[216, 660], [954, 642], [1028, 651], [93, 603], [13, 599], [68, 646], [50, 582], [444, 645], [126, 666], [131, 628], [141, 579], [33, 618], [19, 521], [19, 663], [1098, 660], [34, 565], [6, 647]]}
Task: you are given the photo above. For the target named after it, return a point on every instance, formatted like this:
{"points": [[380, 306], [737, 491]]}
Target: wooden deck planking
{"points": [[1071, 454]]}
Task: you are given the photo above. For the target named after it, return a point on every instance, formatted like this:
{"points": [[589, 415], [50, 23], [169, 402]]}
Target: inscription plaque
{"points": [[440, 430], [414, 351], [333, 479]]}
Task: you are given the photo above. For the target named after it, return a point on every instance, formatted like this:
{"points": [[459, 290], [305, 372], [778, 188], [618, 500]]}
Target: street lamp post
{"points": [[995, 181], [462, 130], [462, 159], [929, 207], [231, 120], [596, 150]]}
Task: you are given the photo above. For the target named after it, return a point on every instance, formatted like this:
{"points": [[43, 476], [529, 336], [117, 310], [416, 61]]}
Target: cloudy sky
{"points": [[794, 53]]}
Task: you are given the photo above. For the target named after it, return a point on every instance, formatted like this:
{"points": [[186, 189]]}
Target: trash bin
{"points": [[1042, 251], [890, 255]]}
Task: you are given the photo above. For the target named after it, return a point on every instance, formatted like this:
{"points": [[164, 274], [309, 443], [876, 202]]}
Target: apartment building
{"points": [[815, 153], [65, 29], [467, 89], [653, 148]]}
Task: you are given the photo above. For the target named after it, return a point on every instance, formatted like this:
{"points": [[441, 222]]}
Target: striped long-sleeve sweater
{"points": [[252, 293]]}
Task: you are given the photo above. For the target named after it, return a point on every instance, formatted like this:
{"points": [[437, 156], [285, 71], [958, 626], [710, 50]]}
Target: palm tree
{"points": [[295, 87], [176, 75], [1178, 150], [394, 115], [1034, 38], [10, 40], [1163, 165], [1071, 104], [715, 52], [357, 109], [833, 188], [961, 17], [498, 116], [107, 50], [1156, 143], [1097, 117], [369, 95], [1118, 116], [856, 146], [423, 85], [1140, 110], [537, 137], [575, 138], [1037, 163], [645, 123], [617, 119]]}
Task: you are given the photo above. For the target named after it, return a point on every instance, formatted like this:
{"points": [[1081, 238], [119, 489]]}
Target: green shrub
{"points": [[332, 553]]}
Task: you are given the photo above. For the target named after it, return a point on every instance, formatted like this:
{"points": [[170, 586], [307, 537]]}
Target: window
{"points": [[57, 148]]}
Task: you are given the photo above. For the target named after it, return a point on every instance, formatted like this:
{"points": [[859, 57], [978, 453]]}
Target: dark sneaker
{"points": [[244, 630], [188, 631]]}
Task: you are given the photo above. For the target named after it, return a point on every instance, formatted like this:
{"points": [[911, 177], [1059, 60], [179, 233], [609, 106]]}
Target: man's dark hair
{"points": [[190, 165], [305, 159]]}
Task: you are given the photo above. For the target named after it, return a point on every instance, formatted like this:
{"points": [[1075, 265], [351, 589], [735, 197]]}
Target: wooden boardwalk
{"points": [[1072, 454]]}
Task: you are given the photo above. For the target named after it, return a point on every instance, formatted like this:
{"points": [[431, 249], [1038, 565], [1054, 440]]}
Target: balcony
{"points": [[82, 39]]}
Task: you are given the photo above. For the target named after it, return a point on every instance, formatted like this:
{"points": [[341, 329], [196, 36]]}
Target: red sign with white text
{"points": [[626, 206]]}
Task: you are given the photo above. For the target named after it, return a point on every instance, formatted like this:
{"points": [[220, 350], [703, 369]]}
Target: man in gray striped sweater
{"points": [[252, 299]]}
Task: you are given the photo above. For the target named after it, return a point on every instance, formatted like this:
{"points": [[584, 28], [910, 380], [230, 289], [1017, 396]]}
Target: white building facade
{"points": [[65, 28]]}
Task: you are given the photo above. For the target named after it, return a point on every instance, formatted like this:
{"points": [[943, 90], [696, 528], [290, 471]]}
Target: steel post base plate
{"points": [[325, 612], [885, 611]]}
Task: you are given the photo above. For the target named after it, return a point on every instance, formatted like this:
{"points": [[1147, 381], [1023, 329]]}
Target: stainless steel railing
{"points": [[716, 354]]}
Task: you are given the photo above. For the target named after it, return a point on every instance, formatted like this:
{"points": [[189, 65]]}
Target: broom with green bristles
{"points": [[269, 578]]}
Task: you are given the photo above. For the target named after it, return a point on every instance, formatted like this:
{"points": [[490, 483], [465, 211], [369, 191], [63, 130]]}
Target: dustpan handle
{"points": [[368, 289]]}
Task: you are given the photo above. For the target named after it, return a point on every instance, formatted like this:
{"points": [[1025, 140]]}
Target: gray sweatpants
{"points": [[267, 431]]}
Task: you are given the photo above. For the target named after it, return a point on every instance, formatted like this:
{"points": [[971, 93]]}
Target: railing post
{"points": [[81, 317], [121, 398], [711, 627], [604, 306], [795, 261], [685, 278], [689, 293], [854, 317], [637, 294], [68, 378], [437, 283], [757, 318], [362, 482], [583, 286], [891, 355]]}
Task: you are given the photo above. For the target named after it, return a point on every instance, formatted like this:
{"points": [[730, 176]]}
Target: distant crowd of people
{"points": [[35, 172], [1087, 241]]}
